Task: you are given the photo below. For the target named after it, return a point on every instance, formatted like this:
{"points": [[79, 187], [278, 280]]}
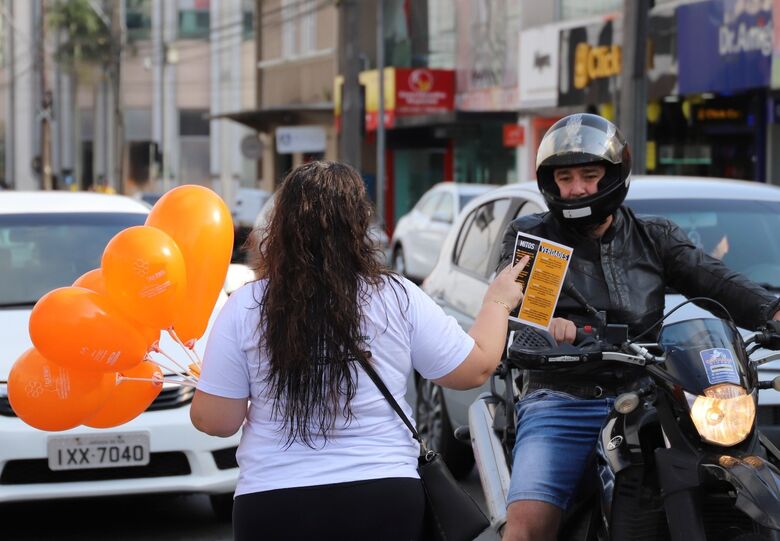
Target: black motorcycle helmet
{"points": [[582, 139]]}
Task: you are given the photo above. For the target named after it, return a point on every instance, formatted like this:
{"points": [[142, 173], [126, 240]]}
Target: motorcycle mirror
{"points": [[776, 383], [627, 402]]}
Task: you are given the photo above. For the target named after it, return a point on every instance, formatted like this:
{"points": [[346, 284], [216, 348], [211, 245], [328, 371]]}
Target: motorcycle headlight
{"points": [[724, 415]]}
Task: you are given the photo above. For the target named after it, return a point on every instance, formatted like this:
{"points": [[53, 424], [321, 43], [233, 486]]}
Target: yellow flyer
{"points": [[542, 278]]}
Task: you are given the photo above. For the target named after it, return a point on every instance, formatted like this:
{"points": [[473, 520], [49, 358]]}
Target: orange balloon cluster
{"points": [[89, 362]]}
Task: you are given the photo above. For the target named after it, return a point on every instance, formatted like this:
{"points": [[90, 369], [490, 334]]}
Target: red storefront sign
{"points": [[424, 91], [514, 135], [408, 92]]}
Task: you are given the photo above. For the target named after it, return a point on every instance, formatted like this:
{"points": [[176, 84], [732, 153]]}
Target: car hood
{"points": [[14, 337]]}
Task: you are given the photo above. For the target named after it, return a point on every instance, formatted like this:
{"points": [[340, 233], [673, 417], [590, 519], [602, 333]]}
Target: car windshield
{"points": [[744, 234], [464, 198], [41, 252]]}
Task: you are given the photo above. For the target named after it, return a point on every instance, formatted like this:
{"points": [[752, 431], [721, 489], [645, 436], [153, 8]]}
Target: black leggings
{"points": [[378, 509]]}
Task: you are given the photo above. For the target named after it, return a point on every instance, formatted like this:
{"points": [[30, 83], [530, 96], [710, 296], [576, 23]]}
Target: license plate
{"points": [[98, 451]]}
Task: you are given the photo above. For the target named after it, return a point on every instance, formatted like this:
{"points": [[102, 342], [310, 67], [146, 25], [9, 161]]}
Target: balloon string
{"points": [[192, 378], [189, 350], [186, 383], [183, 370]]}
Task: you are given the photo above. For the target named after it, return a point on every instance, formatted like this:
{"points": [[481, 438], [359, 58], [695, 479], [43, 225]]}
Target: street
{"points": [[164, 517]]}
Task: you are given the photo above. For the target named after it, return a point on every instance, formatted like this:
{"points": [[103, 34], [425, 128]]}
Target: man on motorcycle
{"points": [[622, 264]]}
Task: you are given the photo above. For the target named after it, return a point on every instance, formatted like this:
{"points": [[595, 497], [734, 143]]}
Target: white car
{"points": [[736, 221], [47, 240], [420, 233], [376, 232]]}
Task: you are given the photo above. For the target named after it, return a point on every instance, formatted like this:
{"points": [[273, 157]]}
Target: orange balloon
{"points": [[200, 223], [145, 274], [80, 329], [50, 397], [129, 398], [94, 281]]}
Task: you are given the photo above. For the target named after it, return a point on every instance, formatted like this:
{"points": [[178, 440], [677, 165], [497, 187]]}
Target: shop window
{"points": [[194, 160], [138, 19], [248, 18], [482, 229], [193, 122], [139, 153], [289, 28], [194, 19]]}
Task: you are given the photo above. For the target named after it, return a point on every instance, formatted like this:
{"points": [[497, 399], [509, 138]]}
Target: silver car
{"points": [[735, 221]]}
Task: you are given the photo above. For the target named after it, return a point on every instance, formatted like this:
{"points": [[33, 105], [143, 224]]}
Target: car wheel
{"points": [[433, 424], [222, 505], [399, 261]]}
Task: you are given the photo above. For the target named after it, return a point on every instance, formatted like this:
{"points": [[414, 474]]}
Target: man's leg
{"points": [[556, 434], [529, 520]]}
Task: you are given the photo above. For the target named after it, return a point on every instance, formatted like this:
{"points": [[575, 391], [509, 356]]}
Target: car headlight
{"points": [[724, 415]]}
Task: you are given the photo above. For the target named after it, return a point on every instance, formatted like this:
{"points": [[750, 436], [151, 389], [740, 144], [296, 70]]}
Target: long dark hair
{"points": [[321, 264]]}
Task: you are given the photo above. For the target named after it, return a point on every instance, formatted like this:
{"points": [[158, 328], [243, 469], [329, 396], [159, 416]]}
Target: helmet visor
{"points": [[576, 143]]}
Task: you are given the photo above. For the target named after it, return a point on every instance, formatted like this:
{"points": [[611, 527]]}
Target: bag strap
{"points": [[393, 403]]}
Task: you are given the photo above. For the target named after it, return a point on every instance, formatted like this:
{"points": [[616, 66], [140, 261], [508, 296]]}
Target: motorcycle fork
{"points": [[679, 479]]}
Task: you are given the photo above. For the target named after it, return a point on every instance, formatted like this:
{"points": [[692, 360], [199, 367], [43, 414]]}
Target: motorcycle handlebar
{"points": [[537, 349]]}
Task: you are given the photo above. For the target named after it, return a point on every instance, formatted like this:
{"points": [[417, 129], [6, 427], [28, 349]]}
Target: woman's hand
{"points": [[504, 289]]}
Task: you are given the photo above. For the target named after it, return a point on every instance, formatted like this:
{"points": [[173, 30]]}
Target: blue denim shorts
{"points": [[556, 434]]}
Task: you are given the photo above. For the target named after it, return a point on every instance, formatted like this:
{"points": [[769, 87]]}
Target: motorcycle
{"points": [[679, 456]]}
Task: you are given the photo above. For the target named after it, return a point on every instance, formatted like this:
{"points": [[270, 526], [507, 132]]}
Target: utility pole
{"points": [[10, 130], [380, 129], [633, 88], [349, 65], [117, 137], [46, 99]]}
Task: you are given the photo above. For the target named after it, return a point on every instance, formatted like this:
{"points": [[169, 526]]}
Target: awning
{"points": [[264, 120]]}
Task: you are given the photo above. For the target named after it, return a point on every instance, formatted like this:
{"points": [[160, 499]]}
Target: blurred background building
{"points": [[146, 94]]}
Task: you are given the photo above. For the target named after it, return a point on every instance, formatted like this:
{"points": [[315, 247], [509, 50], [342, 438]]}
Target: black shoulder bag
{"points": [[450, 512]]}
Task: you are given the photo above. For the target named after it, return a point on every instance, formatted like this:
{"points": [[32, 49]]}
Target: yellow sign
{"points": [[370, 80], [542, 278], [595, 63]]}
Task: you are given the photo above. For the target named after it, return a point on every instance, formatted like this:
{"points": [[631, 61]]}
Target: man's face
{"points": [[578, 181]]}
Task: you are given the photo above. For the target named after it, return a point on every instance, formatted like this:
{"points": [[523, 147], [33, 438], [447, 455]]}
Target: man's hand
{"points": [[777, 315], [564, 330]]}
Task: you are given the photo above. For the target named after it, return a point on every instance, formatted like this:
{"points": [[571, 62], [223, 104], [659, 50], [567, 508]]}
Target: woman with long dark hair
{"points": [[322, 454]]}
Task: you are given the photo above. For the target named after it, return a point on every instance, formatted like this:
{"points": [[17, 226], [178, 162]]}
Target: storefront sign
{"points": [[487, 33], [291, 139], [538, 72], [408, 91], [423, 91], [514, 135], [590, 63], [724, 45]]}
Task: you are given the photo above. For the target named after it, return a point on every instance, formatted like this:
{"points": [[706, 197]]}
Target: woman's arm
{"points": [[216, 415], [488, 331]]}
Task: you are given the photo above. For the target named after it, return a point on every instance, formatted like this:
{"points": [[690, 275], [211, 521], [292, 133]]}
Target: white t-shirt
{"points": [[376, 444]]}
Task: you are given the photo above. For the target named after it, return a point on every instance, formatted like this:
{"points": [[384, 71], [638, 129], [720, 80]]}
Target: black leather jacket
{"points": [[627, 271]]}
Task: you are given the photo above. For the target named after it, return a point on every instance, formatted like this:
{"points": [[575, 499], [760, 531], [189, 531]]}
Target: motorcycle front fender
{"points": [[756, 483]]}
